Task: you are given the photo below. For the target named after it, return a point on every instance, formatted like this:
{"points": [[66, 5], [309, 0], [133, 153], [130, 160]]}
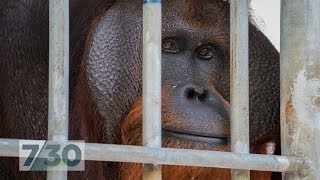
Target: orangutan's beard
{"points": [[131, 132]]}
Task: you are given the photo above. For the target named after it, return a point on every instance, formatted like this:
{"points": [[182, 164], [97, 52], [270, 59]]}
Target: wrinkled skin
{"points": [[105, 85]]}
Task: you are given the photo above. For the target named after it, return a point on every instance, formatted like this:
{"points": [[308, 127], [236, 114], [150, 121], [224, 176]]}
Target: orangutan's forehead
{"points": [[198, 13]]}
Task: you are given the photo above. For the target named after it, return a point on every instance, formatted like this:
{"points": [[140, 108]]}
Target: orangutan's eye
{"points": [[206, 52], [170, 45]]}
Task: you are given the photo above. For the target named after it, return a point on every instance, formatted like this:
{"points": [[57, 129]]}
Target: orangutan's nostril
{"points": [[200, 94], [203, 96], [191, 94]]}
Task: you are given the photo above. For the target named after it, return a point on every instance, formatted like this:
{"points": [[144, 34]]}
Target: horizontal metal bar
{"points": [[186, 157]]}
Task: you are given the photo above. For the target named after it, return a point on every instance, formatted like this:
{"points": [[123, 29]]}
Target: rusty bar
{"points": [[300, 83], [239, 82], [152, 83], [58, 76], [185, 157]]}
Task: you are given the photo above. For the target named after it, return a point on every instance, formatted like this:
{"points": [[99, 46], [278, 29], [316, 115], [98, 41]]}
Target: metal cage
{"points": [[300, 89]]}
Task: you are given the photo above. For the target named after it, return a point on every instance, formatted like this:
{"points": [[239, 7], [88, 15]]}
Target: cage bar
{"points": [[239, 82], [300, 83], [58, 108], [169, 156], [152, 83]]}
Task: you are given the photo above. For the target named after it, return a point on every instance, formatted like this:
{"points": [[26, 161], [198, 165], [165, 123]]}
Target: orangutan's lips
{"points": [[197, 136]]}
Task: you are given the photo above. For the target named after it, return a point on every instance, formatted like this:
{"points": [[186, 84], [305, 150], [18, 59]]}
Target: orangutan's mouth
{"points": [[197, 137]]}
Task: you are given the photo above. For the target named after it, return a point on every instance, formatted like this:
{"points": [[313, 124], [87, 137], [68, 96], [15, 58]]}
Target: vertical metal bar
{"points": [[58, 76], [300, 83], [239, 82], [152, 82]]}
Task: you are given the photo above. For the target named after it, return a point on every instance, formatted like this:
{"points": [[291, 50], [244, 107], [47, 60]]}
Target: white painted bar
{"points": [[152, 83], [185, 157], [58, 76], [300, 83], [239, 83]]}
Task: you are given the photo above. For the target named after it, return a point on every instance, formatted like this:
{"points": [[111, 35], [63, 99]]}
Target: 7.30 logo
{"points": [[39, 155]]}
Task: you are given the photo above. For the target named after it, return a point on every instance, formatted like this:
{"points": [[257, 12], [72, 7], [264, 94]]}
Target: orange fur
{"points": [[131, 133]]}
